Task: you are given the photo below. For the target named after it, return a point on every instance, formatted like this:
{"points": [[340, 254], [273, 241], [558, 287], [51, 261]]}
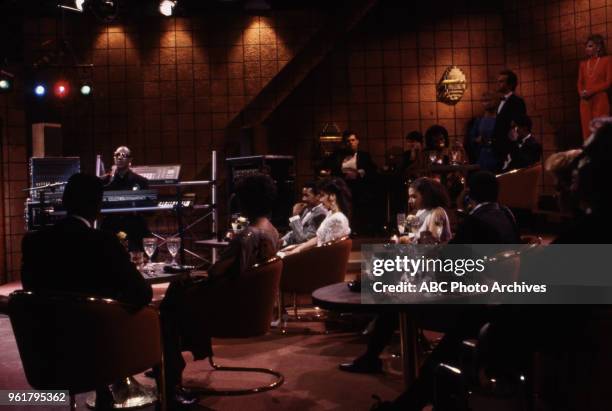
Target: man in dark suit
{"points": [[123, 178], [74, 257], [510, 108], [488, 221], [524, 148], [359, 171], [349, 162]]}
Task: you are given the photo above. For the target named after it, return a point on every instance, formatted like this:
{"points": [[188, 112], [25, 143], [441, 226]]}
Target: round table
{"points": [[338, 297]]}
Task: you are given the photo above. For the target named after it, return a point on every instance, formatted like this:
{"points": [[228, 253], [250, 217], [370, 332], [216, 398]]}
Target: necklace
{"points": [[589, 71]]}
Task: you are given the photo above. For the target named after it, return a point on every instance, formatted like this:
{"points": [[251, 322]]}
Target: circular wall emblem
{"points": [[451, 86]]}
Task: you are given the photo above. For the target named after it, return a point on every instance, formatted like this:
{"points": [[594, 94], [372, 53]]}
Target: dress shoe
{"points": [[180, 400], [363, 365], [280, 322], [381, 405], [185, 397]]}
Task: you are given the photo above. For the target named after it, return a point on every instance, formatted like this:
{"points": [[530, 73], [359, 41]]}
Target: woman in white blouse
{"points": [[430, 223], [335, 197]]}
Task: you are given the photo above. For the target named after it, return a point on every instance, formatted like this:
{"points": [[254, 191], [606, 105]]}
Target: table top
{"points": [[213, 243], [338, 297], [449, 168], [159, 276]]}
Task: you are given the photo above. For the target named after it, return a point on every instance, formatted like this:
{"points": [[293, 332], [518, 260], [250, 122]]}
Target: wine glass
{"points": [[150, 245], [415, 226], [433, 156], [401, 223], [173, 244]]}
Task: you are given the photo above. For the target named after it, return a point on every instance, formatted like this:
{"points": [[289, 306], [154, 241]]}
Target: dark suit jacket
{"points": [[71, 257], [126, 182], [491, 223], [364, 162], [512, 109], [525, 154]]}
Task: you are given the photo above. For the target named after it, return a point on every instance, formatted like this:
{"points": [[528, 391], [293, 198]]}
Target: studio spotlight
{"points": [[86, 90], [40, 90], [61, 89], [166, 7], [6, 81], [79, 4]]}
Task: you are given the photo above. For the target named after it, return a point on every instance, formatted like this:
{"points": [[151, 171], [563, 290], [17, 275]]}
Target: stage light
{"points": [[61, 89], [86, 89], [166, 7], [79, 4], [40, 90], [6, 81]]}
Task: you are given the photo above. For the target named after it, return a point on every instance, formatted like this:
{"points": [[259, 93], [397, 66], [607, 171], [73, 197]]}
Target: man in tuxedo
{"points": [[510, 108], [73, 257], [307, 216], [356, 167], [524, 149], [123, 178], [349, 162], [488, 222]]}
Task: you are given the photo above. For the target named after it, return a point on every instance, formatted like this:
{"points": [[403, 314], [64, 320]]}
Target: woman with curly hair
{"points": [[430, 199], [336, 198], [255, 244]]}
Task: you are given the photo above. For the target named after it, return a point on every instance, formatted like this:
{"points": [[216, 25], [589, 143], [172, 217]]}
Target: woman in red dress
{"points": [[594, 79]]}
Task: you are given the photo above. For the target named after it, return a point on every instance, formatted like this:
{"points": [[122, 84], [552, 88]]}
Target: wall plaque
{"points": [[451, 86]]}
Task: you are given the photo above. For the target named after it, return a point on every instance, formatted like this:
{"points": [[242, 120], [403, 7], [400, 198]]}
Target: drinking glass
{"points": [[137, 258], [401, 223], [415, 225], [150, 245], [433, 157], [173, 244]]}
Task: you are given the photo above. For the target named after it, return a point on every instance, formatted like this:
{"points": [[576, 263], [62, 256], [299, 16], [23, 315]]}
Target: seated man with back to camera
{"points": [[307, 217], [124, 179], [73, 257]]}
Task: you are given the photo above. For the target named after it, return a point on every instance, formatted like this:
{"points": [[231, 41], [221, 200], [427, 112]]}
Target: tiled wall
{"points": [[14, 180], [381, 82], [167, 88]]}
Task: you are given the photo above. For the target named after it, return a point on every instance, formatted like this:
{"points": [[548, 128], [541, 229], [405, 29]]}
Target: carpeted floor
{"points": [[308, 362]]}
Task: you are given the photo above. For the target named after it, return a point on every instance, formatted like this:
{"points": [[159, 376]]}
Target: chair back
{"points": [[317, 267], [79, 343], [238, 307], [519, 188]]}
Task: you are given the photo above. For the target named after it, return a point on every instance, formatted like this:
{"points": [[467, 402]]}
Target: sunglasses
{"points": [[121, 155]]}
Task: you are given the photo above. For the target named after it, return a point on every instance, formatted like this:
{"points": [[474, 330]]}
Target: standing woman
{"points": [[594, 79]]}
